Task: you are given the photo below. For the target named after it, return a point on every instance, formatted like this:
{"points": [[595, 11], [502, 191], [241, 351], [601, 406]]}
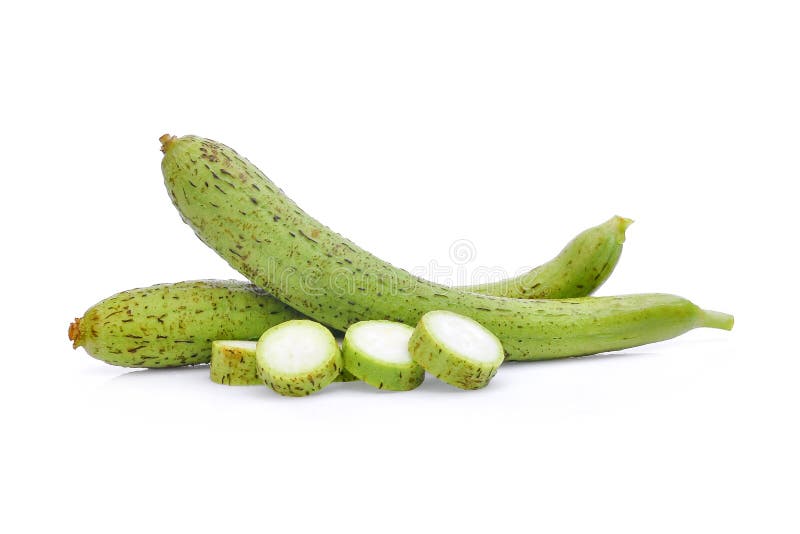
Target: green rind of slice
{"points": [[376, 352]]}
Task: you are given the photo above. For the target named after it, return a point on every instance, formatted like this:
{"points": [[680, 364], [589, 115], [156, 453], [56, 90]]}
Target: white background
{"points": [[406, 126]]}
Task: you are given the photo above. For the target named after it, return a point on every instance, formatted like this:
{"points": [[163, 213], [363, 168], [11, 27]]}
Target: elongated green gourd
{"points": [[580, 268], [170, 325], [248, 221]]}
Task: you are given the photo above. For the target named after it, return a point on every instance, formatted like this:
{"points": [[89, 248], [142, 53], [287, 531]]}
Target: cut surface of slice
{"points": [[456, 349], [376, 352], [297, 358], [233, 363]]}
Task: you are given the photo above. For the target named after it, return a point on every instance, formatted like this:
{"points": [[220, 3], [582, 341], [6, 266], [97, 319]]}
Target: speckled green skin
{"points": [[579, 269], [379, 373], [170, 325], [447, 365], [346, 376], [298, 384], [246, 219], [234, 365]]}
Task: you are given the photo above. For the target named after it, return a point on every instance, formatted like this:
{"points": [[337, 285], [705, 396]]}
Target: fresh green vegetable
{"points": [[456, 349], [298, 357], [579, 269], [169, 325], [377, 353], [233, 362], [247, 220]]}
